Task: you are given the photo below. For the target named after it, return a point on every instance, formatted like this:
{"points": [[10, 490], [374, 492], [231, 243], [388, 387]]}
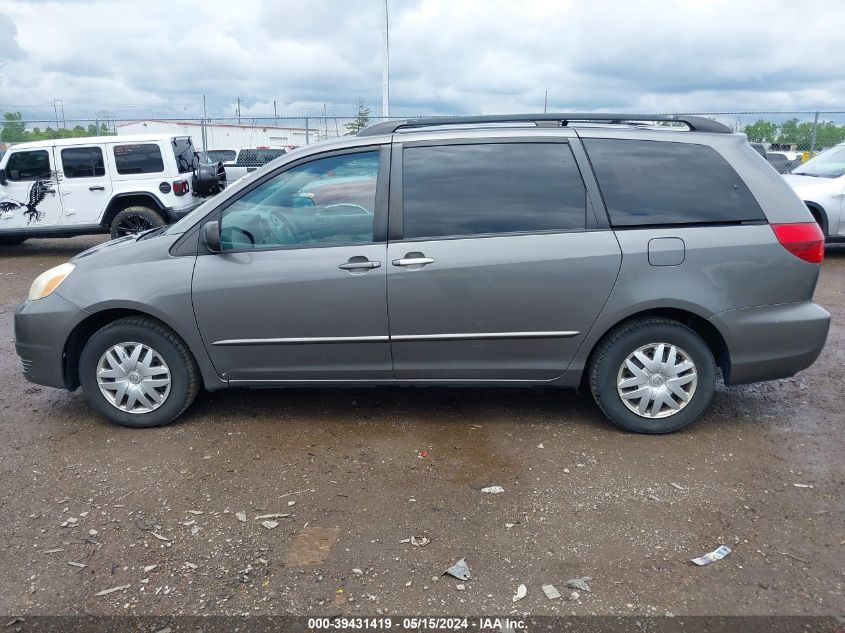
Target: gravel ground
{"points": [[87, 506]]}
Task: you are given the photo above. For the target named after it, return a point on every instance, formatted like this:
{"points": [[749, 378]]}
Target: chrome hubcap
{"points": [[657, 380], [133, 377]]}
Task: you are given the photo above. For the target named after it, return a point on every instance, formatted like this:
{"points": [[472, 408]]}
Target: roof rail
{"points": [[695, 123]]}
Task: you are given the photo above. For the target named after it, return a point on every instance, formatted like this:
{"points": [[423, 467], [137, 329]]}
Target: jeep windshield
{"points": [[183, 150], [828, 164]]}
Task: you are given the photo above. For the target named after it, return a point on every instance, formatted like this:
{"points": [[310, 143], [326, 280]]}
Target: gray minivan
{"points": [[634, 255]]}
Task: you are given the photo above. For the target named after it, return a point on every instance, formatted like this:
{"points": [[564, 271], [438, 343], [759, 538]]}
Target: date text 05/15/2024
{"points": [[416, 624]]}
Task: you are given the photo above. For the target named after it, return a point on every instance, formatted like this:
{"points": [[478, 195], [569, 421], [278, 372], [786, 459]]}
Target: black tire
{"points": [[9, 240], [184, 375], [622, 342], [134, 220]]}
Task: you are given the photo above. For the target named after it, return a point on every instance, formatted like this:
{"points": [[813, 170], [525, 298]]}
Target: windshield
{"points": [[224, 155], [183, 150], [828, 164], [258, 157]]}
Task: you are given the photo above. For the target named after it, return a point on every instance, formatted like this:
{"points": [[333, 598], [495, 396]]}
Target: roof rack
{"points": [[695, 123]]}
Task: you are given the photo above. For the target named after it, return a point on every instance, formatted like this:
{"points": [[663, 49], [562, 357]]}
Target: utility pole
{"points": [[813, 139], [275, 114], [204, 133], [546, 103], [57, 104], [239, 110], [385, 69]]}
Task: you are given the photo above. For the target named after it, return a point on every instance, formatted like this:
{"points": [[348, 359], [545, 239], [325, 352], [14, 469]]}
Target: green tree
{"points": [[361, 119], [761, 131], [829, 134], [14, 129]]}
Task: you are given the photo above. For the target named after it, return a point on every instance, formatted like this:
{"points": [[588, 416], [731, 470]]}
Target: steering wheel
{"points": [[280, 224]]}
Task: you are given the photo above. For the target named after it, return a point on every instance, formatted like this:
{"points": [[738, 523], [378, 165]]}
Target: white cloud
{"points": [[447, 56]]}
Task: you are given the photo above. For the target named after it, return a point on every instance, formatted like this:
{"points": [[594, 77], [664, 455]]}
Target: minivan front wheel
{"points": [[653, 376], [138, 373]]}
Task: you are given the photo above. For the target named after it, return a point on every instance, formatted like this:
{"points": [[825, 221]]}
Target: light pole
{"points": [[385, 69]]}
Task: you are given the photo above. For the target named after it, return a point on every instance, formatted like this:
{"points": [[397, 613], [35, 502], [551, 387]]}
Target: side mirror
{"points": [[3, 179], [211, 236]]}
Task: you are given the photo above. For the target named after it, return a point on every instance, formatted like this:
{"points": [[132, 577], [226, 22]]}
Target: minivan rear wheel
{"points": [[138, 373], [653, 375]]}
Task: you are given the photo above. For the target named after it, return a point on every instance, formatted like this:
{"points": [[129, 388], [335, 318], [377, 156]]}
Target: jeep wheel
{"points": [[9, 240], [134, 220], [653, 376], [138, 373]]}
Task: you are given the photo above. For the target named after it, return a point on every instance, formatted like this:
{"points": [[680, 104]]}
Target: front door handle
{"points": [[414, 259], [359, 263], [96, 188]]}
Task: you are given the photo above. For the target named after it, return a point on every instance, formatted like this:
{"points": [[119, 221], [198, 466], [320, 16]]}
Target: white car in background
{"points": [[820, 183]]}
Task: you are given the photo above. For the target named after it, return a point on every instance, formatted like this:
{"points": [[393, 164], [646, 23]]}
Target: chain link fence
{"points": [[785, 138], [232, 133]]}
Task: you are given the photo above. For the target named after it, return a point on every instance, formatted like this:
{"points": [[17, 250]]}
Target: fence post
{"points": [[307, 140], [813, 138]]}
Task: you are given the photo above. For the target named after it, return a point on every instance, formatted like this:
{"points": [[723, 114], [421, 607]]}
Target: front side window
{"points": [[28, 165], [322, 202], [83, 162], [455, 190], [138, 159], [657, 182]]}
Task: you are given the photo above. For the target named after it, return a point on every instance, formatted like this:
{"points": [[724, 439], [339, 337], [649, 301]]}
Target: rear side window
{"points": [[28, 165], [83, 162], [138, 159], [456, 190], [656, 182]]}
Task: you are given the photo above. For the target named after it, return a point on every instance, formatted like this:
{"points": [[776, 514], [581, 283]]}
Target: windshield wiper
{"points": [[804, 173], [152, 232]]}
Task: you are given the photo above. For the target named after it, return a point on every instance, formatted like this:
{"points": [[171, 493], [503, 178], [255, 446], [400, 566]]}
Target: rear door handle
{"points": [[413, 261], [96, 188]]}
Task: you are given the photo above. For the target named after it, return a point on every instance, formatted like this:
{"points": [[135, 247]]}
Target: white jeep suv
{"points": [[102, 184]]}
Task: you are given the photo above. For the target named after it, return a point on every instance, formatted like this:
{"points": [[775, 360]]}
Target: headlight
{"points": [[49, 280]]}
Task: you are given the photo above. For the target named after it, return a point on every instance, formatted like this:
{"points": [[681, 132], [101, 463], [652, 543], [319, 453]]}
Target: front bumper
{"points": [[41, 330], [771, 342]]}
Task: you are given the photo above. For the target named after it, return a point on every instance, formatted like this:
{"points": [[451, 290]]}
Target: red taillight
{"points": [[180, 187], [804, 240]]}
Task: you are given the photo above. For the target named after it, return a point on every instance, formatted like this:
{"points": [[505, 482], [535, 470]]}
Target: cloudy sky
{"points": [[144, 57]]}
